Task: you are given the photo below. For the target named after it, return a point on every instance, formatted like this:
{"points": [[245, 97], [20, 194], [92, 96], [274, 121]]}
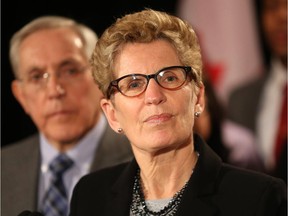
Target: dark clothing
{"points": [[214, 189], [20, 168], [244, 105]]}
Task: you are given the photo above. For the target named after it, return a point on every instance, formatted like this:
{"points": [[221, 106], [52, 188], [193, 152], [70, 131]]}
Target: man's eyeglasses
{"points": [[170, 78], [65, 75]]}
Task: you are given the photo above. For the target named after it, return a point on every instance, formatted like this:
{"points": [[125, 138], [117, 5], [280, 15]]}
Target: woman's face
{"points": [[157, 119]]}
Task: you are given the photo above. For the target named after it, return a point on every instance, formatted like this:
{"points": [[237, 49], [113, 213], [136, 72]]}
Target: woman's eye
{"points": [[135, 84], [171, 78]]}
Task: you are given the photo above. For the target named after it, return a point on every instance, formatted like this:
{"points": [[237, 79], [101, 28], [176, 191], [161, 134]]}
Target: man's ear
{"points": [[109, 111], [19, 94]]}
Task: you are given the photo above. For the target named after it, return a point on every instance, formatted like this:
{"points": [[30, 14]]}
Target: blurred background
{"points": [[227, 30]]}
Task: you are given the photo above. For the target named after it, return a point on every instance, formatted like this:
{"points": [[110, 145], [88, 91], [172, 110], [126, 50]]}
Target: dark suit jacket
{"points": [[21, 167], [243, 108], [244, 103], [214, 189]]}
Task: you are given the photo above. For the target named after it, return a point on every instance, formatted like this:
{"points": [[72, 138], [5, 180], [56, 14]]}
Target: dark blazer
{"points": [[21, 168], [243, 108], [214, 189], [244, 103]]}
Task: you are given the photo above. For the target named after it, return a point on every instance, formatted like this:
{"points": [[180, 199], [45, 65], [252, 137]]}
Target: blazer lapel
{"points": [[121, 192], [201, 187], [196, 207], [197, 197]]}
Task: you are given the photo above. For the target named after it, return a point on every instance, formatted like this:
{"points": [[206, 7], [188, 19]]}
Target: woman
{"points": [[148, 65], [209, 124]]}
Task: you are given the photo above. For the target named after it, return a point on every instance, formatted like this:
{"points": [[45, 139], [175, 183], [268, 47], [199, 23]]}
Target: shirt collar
{"points": [[82, 153], [278, 72]]}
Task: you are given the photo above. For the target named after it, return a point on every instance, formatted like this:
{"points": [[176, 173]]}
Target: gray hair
{"points": [[86, 34]]}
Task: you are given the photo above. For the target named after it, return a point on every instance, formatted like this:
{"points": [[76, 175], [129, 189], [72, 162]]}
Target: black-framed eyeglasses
{"points": [[170, 78]]}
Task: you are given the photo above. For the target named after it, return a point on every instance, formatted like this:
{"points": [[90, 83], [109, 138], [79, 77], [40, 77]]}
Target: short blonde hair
{"points": [[87, 35], [144, 27]]}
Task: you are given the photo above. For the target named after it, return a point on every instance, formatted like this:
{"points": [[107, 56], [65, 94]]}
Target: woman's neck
{"points": [[163, 176]]}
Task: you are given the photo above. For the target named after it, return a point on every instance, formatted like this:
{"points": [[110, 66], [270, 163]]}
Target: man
{"points": [[54, 85], [257, 106]]}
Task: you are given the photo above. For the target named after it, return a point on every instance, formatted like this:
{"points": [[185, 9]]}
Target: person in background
{"points": [[53, 83], [209, 124], [260, 107], [148, 66]]}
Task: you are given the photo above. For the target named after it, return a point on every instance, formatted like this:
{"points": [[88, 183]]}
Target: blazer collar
{"points": [[201, 185], [121, 191]]}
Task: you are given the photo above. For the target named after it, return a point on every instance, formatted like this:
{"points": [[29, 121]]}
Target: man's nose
{"points": [[54, 87]]}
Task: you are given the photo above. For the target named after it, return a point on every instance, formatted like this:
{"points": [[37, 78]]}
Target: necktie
{"points": [[281, 137], [55, 201]]}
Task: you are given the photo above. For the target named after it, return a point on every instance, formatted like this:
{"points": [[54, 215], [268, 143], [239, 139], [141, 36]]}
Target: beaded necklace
{"points": [[139, 207]]}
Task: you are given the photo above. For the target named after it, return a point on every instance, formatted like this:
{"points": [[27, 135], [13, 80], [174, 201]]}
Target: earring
{"points": [[120, 130], [197, 114]]}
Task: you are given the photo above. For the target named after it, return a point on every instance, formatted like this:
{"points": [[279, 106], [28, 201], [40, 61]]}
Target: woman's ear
{"points": [[109, 111], [200, 103]]}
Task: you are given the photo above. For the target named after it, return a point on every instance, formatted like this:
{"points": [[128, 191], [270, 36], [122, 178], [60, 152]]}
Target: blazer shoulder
{"points": [[243, 191], [250, 180], [22, 147], [246, 93], [116, 146]]}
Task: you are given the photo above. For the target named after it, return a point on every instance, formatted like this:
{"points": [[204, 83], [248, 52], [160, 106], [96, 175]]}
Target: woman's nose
{"points": [[154, 93]]}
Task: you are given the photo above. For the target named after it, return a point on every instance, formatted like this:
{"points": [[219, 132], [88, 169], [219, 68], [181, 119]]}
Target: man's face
{"points": [[274, 17], [66, 104]]}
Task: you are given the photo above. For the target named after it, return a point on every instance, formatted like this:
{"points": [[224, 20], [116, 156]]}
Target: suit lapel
{"points": [[196, 207], [112, 144], [29, 175], [33, 175], [121, 192], [201, 187]]}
